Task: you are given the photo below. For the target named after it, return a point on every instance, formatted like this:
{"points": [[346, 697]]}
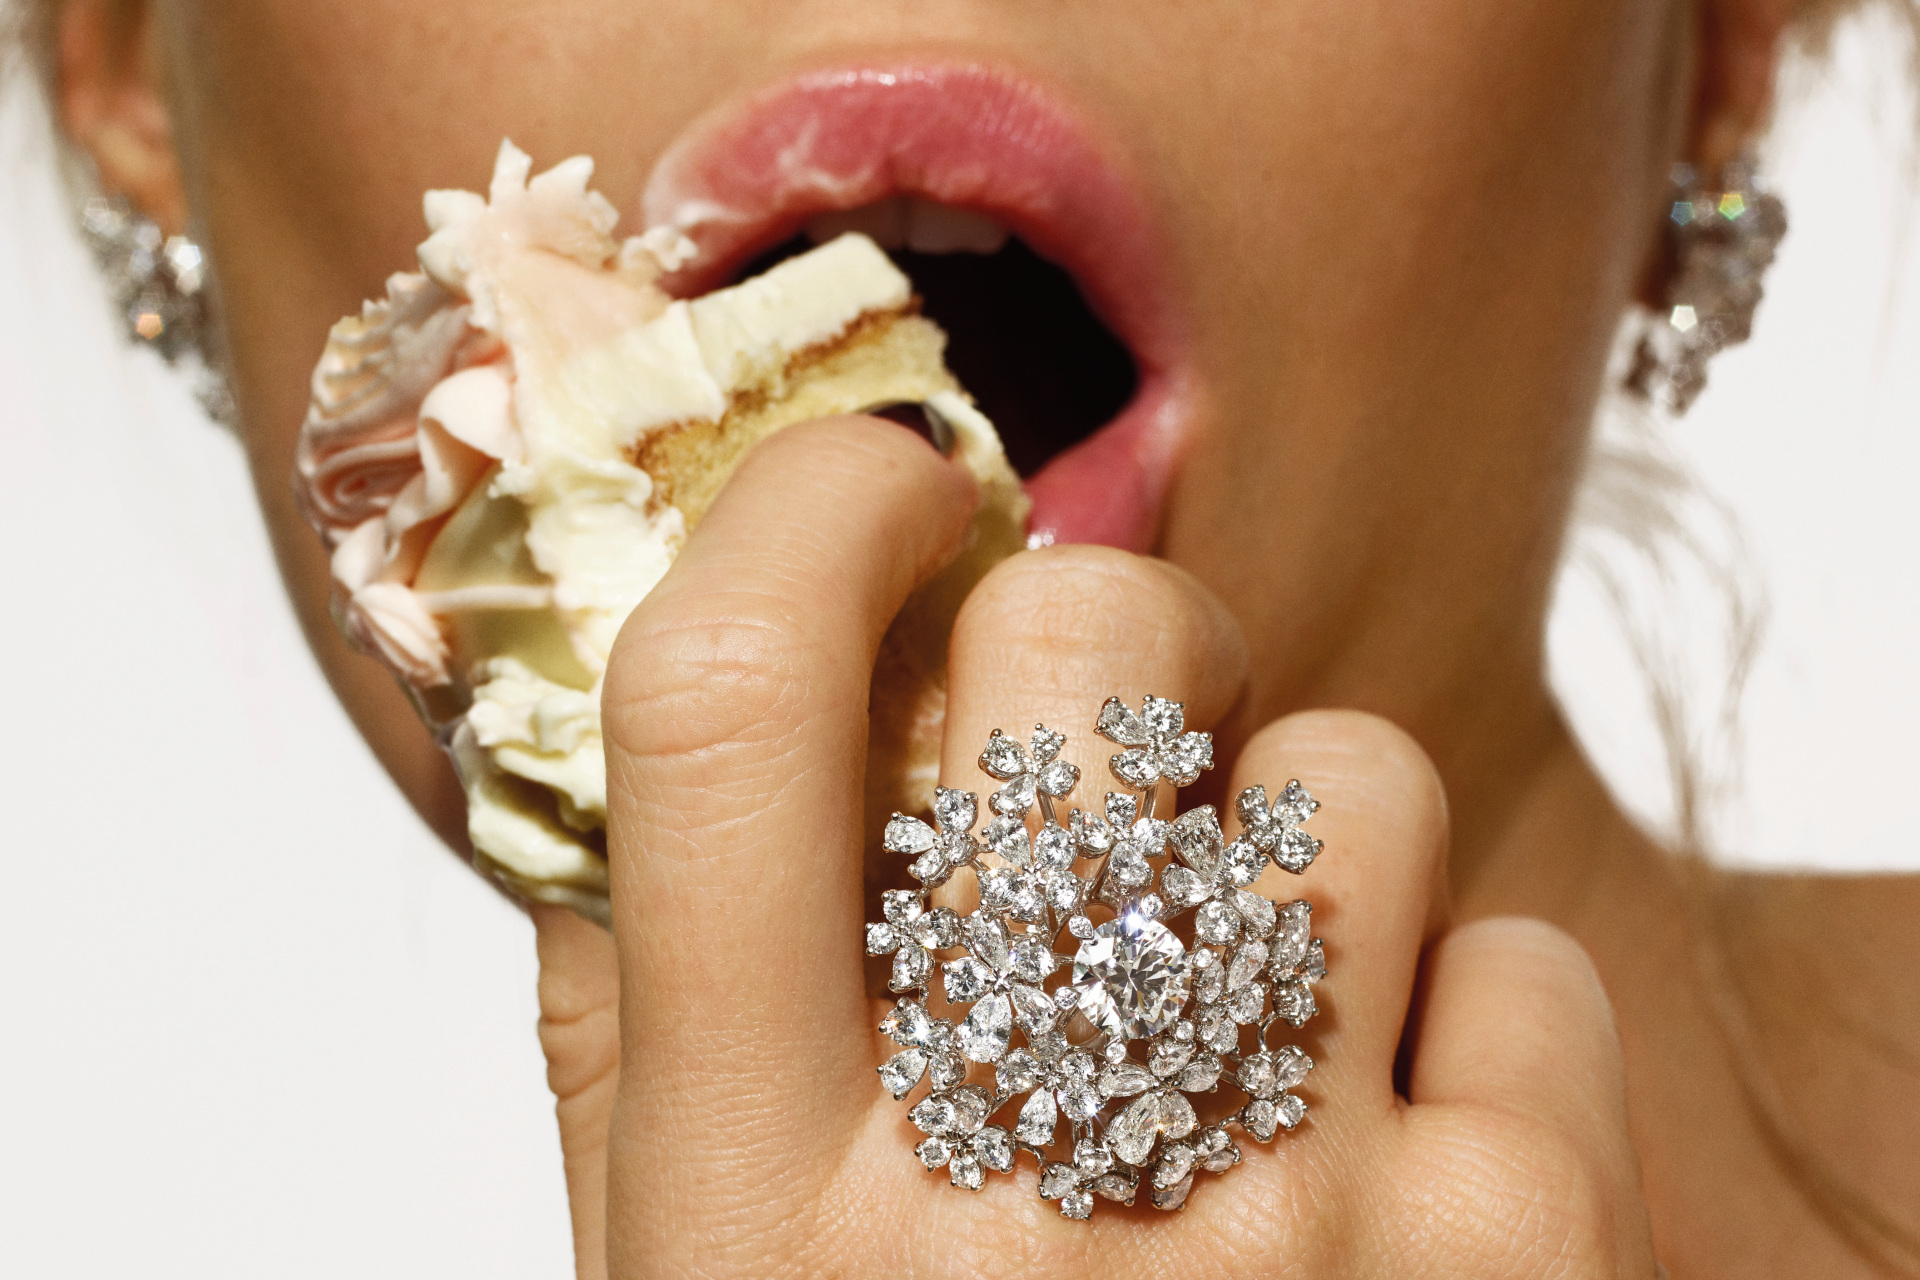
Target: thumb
{"points": [[580, 1035]]}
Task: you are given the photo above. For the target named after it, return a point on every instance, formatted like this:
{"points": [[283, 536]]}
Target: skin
{"points": [[1402, 238]]}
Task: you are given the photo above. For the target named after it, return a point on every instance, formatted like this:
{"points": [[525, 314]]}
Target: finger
{"points": [[1513, 1018], [1513, 1025], [1047, 637], [580, 1036], [1051, 634], [735, 718], [1377, 889]]}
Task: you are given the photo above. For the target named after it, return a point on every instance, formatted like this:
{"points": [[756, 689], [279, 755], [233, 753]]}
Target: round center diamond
{"points": [[1131, 977]]}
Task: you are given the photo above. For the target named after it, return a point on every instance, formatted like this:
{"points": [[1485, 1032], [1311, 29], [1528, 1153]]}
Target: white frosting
{"points": [[646, 377], [466, 456], [748, 329], [543, 731], [535, 849]]}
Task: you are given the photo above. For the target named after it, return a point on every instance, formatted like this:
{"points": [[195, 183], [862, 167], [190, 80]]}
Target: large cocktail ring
{"points": [[1176, 976]]}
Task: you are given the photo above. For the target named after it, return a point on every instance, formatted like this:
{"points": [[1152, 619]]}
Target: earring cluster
{"points": [[158, 284], [1721, 242]]}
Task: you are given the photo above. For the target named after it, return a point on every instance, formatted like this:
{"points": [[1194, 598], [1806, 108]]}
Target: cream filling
{"points": [[468, 466], [592, 528]]}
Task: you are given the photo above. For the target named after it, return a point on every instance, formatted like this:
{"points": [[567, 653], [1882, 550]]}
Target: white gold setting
{"points": [[1173, 978]]}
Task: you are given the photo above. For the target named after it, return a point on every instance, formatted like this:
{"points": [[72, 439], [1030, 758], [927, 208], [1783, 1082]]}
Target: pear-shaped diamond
{"points": [[1037, 1119], [983, 1036], [1131, 1136], [903, 1071]]}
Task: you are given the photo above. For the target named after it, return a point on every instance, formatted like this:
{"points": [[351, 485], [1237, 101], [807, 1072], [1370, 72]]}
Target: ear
{"points": [[1738, 53], [110, 95]]}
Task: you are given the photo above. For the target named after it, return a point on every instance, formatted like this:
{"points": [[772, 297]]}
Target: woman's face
{"points": [[1382, 250]]}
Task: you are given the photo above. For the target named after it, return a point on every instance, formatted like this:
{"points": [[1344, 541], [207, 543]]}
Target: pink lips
{"points": [[747, 176]]}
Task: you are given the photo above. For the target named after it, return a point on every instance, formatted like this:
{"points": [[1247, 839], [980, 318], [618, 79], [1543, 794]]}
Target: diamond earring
{"points": [[158, 285], [1722, 242]]}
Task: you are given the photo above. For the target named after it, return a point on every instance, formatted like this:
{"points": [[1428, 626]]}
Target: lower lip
{"points": [[747, 177]]}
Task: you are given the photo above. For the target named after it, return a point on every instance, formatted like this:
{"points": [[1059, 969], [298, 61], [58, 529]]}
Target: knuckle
{"points": [[1541, 968], [1004, 1247], [1518, 1198], [581, 1051], [1378, 745], [1567, 1211], [1544, 953], [1055, 605], [1379, 772], [733, 679]]}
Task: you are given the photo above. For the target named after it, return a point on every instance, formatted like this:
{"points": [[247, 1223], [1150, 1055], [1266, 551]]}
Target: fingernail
{"points": [[920, 418]]}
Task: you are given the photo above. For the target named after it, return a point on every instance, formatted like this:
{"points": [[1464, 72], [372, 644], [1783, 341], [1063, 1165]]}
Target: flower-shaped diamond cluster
{"points": [[939, 849], [1158, 748], [1109, 1003]]}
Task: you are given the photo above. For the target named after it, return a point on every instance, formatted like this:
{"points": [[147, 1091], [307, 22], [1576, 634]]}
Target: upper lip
{"points": [[747, 176]]}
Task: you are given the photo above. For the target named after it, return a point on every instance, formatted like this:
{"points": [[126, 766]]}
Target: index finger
{"points": [[735, 715]]}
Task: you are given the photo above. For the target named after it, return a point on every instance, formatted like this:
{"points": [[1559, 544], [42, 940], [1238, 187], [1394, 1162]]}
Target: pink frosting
{"points": [[356, 449], [360, 472], [412, 401]]}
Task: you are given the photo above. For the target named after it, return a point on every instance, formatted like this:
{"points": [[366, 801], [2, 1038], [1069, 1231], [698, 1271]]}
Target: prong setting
{"points": [[1172, 965]]}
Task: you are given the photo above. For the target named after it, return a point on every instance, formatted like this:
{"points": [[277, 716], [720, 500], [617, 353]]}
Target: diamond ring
{"points": [[1161, 1012]]}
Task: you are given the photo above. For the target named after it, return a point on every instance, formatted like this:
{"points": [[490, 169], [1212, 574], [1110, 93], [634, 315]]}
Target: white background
{"points": [[1811, 435], [254, 1022]]}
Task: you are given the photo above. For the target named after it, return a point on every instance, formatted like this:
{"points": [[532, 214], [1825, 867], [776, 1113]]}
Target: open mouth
{"points": [[1020, 233], [1021, 337]]}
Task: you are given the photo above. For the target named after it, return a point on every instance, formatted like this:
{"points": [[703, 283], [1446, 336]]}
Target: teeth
{"points": [[902, 222], [884, 222], [939, 228]]}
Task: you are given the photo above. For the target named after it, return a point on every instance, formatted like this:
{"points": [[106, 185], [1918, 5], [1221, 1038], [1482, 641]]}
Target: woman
{"points": [[1374, 266]]}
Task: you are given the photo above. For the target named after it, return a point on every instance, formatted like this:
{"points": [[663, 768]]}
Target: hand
{"points": [[714, 1058]]}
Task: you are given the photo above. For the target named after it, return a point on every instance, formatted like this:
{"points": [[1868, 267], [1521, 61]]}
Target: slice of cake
{"points": [[508, 451]]}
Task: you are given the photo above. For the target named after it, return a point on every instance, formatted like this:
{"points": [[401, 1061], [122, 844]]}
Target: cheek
{"points": [[1406, 150], [1405, 202], [1415, 232], [310, 128]]}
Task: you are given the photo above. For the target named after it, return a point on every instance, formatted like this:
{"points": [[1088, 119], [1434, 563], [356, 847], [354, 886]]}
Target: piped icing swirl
{"points": [[470, 457]]}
